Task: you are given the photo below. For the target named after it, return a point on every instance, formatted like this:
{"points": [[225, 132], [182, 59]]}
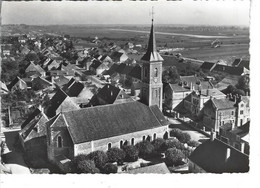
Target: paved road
{"points": [[195, 135]]}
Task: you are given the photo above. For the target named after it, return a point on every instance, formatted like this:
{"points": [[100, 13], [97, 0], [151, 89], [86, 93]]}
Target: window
{"points": [[156, 93], [242, 105], [143, 138], [154, 136], [121, 144], [155, 72], [59, 142], [241, 112], [132, 141], [109, 145], [232, 113]]}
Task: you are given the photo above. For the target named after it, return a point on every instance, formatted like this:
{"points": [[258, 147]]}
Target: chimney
{"points": [[234, 98], [212, 135], [227, 154], [191, 86], [208, 92], [40, 108], [242, 147]]}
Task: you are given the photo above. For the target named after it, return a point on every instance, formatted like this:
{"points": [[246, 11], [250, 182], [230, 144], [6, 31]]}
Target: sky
{"points": [[187, 12]]}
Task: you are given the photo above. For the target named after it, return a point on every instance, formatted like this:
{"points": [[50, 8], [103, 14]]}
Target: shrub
{"points": [[115, 155], [99, 157], [193, 143], [110, 168], [173, 156], [145, 148], [131, 153], [159, 145]]}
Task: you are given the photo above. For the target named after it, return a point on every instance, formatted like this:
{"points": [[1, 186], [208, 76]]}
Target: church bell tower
{"points": [[151, 75]]}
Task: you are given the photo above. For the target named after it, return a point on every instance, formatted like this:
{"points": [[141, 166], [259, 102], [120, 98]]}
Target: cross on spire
{"points": [[152, 13]]}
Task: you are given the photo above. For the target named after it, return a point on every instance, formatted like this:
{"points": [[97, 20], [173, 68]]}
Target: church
{"points": [[81, 131]]}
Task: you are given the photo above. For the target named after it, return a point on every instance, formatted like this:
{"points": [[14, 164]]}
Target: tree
{"points": [[31, 57], [243, 83], [230, 89], [174, 143], [131, 153], [239, 92], [145, 148], [115, 155], [193, 143], [181, 136], [174, 156], [170, 75], [110, 168], [84, 166], [159, 145], [99, 157]]}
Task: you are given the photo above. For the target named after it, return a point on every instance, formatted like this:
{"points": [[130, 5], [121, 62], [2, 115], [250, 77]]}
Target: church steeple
{"points": [[151, 53], [151, 75]]}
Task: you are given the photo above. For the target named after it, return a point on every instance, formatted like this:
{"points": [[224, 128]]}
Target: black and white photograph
{"points": [[126, 87]]}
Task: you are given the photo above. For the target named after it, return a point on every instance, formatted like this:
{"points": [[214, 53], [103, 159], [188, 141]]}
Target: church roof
{"points": [[151, 53], [110, 120]]}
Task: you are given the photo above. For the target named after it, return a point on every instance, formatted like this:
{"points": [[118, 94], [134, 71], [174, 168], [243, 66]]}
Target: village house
{"points": [[237, 137], [109, 94], [215, 156], [17, 83], [72, 133], [97, 67], [241, 63], [174, 94], [6, 50], [196, 99], [4, 89], [232, 111], [32, 69], [60, 102], [231, 70], [40, 83], [118, 57], [32, 136]]}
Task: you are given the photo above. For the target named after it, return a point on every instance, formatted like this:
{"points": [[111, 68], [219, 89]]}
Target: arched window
{"points": [[59, 142], [166, 135], [148, 138], [109, 145], [155, 72], [121, 144], [143, 138], [154, 136], [132, 141]]}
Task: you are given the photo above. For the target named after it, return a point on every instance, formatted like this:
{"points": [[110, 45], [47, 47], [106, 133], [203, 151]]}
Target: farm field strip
{"points": [[177, 34]]}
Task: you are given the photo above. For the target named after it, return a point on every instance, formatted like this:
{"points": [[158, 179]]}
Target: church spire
{"points": [[151, 53]]}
